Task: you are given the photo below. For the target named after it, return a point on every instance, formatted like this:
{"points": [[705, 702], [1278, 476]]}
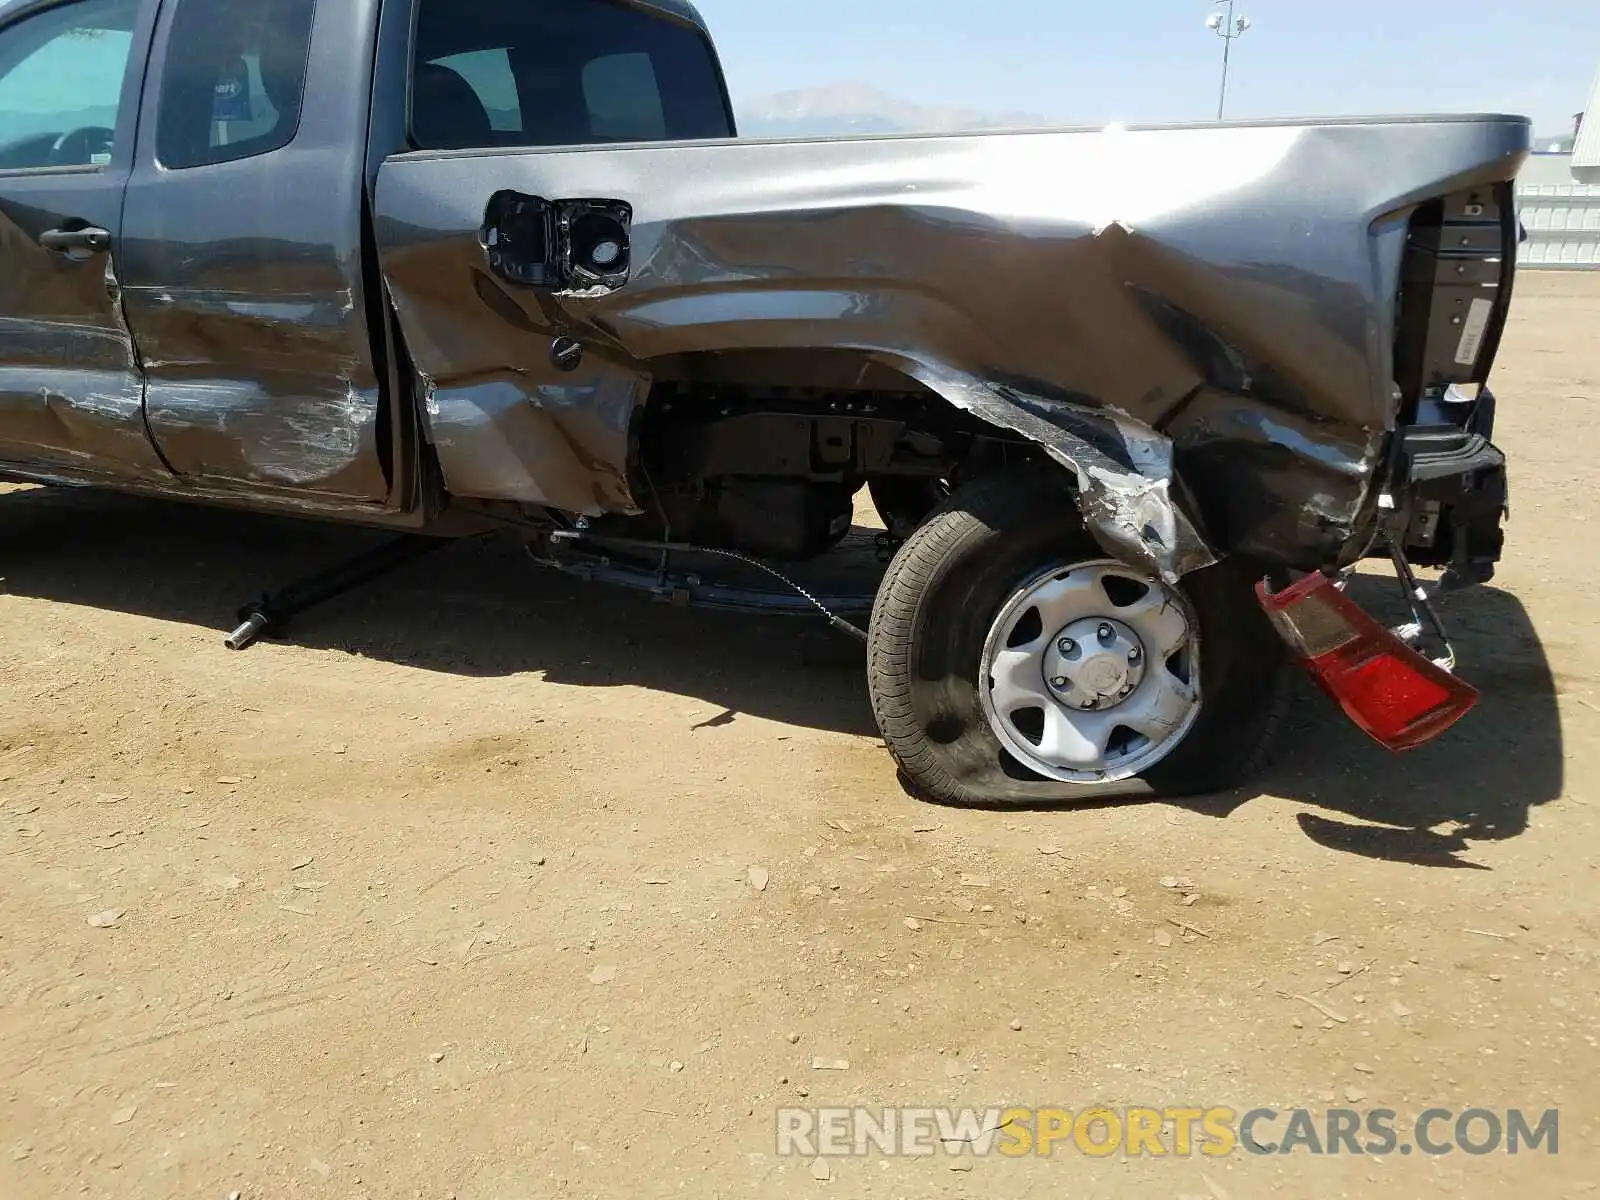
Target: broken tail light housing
{"points": [[1393, 693]]}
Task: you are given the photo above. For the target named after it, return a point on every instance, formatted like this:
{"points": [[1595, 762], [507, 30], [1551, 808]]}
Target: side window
{"points": [[559, 73], [488, 73], [624, 98], [234, 81], [61, 74]]}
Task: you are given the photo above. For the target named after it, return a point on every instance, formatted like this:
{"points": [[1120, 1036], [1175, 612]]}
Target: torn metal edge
{"points": [[1125, 482]]}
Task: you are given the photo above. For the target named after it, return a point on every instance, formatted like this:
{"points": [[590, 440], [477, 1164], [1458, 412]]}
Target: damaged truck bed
{"points": [[1129, 400]]}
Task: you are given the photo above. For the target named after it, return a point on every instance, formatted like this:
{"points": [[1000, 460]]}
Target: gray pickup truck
{"points": [[1131, 402]]}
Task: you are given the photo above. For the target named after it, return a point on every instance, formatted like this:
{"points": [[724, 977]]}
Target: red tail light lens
{"points": [[1397, 696]]}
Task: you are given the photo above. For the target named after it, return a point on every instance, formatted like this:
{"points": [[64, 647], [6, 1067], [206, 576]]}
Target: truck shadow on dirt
{"points": [[478, 607], [1476, 783], [482, 608]]}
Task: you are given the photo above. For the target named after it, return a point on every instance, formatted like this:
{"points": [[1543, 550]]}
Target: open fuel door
{"points": [[495, 257], [524, 399]]}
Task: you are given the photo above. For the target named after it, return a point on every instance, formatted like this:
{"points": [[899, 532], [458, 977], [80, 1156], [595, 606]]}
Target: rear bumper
{"points": [[1444, 504], [1449, 497]]}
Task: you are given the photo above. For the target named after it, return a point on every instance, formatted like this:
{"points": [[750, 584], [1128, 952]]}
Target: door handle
{"points": [[64, 241]]}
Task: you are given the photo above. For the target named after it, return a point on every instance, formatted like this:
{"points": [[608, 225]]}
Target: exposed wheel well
{"points": [[763, 450]]}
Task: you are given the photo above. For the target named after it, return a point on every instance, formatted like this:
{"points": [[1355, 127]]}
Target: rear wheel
{"points": [[1012, 662]]}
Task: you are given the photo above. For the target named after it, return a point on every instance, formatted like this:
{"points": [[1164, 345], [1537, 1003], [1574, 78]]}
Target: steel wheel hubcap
{"points": [[1090, 673]]}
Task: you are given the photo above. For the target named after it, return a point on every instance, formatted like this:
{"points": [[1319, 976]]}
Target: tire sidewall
{"points": [[980, 561], [948, 642]]}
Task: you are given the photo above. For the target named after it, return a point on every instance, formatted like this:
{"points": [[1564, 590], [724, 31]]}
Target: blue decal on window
{"points": [[230, 100]]}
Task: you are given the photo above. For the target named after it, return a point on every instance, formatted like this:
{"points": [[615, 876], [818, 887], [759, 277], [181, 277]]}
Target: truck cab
{"points": [[192, 297]]}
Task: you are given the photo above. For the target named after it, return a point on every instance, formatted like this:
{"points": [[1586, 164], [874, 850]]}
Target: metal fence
{"points": [[1561, 215]]}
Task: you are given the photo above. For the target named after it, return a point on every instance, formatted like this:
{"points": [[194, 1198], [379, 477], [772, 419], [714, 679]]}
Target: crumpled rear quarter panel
{"points": [[1197, 321]]}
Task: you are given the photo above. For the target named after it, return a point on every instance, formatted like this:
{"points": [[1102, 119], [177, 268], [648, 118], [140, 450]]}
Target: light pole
{"points": [[1227, 28]]}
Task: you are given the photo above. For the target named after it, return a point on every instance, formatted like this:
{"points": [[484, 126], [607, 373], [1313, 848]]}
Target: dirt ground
{"points": [[454, 891]]}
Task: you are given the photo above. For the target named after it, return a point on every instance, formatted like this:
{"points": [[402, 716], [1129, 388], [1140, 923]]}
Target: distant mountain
{"points": [[799, 127], [848, 108]]}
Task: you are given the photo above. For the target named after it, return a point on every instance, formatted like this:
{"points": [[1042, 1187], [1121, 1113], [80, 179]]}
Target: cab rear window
{"points": [[560, 73]]}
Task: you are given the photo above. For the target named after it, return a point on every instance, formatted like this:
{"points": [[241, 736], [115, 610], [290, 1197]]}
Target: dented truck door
{"points": [[244, 278], [70, 385], [524, 400]]}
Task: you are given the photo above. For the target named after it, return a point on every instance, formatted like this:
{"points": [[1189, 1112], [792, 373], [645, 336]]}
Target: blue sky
{"points": [[1145, 60], [1153, 60]]}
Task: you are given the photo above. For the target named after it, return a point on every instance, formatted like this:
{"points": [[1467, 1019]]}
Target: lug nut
{"points": [[1087, 704], [1135, 654], [1060, 681], [1066, 645], [1107, 633]]}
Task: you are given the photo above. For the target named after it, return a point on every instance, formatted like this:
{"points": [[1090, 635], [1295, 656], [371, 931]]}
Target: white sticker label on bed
{"points": [[1472, 336]]}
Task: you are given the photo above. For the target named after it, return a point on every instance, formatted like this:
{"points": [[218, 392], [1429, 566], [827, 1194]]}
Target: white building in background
{"points": [[1586, 150], [1558, 198]]}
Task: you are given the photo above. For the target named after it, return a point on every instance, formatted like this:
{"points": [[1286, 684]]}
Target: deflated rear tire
{"points": [[1011, 662]]}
